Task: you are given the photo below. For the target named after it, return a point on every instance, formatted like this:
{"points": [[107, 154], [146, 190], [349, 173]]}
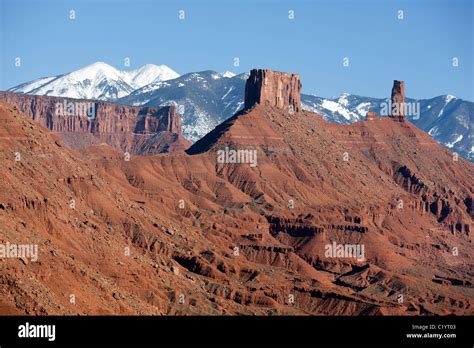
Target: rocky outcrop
{"points": [[272, 88], [266, 91], [398, 99], [82, 123], [153, 120], [371, 115]]}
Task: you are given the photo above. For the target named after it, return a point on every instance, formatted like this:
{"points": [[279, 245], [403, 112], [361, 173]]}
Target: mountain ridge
{"points": [[207, 98], [97, 81]]}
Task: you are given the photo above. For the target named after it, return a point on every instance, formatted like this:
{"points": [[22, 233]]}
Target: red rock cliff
{"points": [[277, 89], [82, 123]]}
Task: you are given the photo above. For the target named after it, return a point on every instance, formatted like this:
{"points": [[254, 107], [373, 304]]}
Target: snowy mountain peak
{"points": [[149, 73], [228, 74], [243, 76], [98, 70], [99, 65], [97, 81], [449, 97], [343, 99], [215, 75]]}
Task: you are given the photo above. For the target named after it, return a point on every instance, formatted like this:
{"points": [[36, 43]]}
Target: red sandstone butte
{"points": [[277, 89]]}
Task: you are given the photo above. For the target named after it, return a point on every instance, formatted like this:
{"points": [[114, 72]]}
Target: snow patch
{"points": [[227, 93], [363, 108], [343, 99], [457, 140], [228, 74], [335, 107], [433, 131], [448, 98]]}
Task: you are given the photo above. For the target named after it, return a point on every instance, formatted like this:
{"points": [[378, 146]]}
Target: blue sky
{"points": [[418, 48]]}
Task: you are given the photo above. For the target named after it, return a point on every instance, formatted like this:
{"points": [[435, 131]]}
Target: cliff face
{"points": [[272, 88], [398, 99], [157, 119], [82, 123]]}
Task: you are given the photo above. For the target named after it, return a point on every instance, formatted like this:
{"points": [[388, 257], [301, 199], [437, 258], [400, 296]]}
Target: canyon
{"points": [[174, 231]]}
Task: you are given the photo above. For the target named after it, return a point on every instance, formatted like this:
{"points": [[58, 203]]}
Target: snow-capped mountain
{"points": [[97, 81], [346, 108], [207, 98], [149, 73], [450, 121]]}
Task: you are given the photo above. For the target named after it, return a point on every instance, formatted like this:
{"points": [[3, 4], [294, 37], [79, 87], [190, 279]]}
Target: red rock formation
{"points": [[278, 89], [82, 123], [398, 99], [156, 119], [236, 239]]}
